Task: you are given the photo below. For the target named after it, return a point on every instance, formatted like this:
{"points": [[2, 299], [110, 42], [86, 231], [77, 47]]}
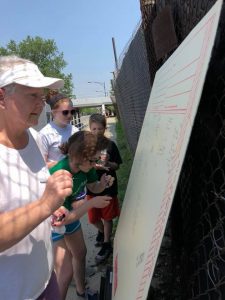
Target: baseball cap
{"points": [[28, 74]]}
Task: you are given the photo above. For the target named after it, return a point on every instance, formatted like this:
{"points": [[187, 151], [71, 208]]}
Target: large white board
{"points": [[158, 160]]}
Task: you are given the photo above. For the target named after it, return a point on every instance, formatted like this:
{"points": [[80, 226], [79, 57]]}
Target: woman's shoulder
{"points": [[48, 130], [48, 127]]}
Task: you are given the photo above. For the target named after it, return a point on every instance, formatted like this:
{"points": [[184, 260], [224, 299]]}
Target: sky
{"points": [[82, 30]]}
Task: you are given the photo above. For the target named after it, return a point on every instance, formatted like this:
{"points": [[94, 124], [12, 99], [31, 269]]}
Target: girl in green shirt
{"points": [[82, 153]]}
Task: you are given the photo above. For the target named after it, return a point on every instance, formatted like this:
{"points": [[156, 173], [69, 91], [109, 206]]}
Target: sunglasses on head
{"points": [[67, 111]]}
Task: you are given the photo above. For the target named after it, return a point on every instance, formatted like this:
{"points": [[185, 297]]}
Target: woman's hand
{"points": [[58, 187], [59, 216]]}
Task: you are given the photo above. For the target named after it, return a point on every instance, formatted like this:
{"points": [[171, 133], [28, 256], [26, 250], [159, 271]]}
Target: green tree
{"points": [[45, 54]]}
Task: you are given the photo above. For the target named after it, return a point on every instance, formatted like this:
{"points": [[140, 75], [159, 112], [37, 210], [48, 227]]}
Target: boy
{"points": [[102, 218]]}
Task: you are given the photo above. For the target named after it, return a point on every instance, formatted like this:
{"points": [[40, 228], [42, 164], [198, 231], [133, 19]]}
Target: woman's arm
{"points": [[79, 211], [18, 223]]}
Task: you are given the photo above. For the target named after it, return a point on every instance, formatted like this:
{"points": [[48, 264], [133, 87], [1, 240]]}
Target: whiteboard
{"points": [[158, 160]]}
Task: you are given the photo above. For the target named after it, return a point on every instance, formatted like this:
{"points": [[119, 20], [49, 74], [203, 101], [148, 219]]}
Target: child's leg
{"points": [[63, 266], [108, 214], [100, 235], [108, 225], [106, 249], [94, 217], [99, 225], [76, 245]]}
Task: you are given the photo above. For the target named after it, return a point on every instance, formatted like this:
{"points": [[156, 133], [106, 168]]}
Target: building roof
{"points": [[90, 102]]}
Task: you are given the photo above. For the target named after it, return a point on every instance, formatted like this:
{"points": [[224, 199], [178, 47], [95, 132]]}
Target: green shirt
{"points": [[80, 180]]}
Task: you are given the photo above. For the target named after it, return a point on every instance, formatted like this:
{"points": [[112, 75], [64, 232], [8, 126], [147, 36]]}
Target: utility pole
{"points": [[115, 55], [102, 84]]}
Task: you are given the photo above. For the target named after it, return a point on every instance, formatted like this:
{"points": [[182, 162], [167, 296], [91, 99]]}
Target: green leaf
{"points": [[44, 53]]}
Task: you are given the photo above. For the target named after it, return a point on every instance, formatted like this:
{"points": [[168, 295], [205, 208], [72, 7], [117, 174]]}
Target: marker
{"points": [[107, 184], [60, 218]]}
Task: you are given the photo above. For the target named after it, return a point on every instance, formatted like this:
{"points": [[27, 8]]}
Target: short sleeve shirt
{"points": [[52, 137], [80, 180], [114, 156]]}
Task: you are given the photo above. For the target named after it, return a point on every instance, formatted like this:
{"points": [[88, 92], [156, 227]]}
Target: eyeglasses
{"points": [[67, 111], [91, 161]]}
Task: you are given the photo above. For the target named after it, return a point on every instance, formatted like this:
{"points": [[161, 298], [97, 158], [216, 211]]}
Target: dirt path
{"points": [[111, 129]]}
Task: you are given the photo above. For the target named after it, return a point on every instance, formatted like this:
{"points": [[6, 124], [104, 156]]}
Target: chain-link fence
{"points": [[191, 264], [132, 87]]}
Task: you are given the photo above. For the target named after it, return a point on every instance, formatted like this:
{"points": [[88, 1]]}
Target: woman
{"points": [[53, 135], [59, 129], [28, 195]]}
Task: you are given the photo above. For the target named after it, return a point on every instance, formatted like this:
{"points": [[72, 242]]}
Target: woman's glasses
{"points": [[67, 111]]}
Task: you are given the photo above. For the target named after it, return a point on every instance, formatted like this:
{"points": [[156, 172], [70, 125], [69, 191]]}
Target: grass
{"points": [[124, 171]]}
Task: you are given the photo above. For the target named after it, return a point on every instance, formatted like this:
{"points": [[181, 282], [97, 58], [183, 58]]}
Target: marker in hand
{"points": [[109, 181], [58, 229], [57, 219], [60, 218], [107, 184]]}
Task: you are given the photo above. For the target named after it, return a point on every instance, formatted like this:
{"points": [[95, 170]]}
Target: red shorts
{"points": [[107, 213]]}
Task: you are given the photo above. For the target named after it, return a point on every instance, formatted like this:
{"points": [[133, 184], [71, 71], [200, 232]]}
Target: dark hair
{"points": [[84, 145], [54, 97], [97, 118]]}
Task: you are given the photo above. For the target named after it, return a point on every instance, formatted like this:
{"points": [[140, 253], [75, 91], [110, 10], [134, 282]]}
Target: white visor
{"points": [[28, 74]]}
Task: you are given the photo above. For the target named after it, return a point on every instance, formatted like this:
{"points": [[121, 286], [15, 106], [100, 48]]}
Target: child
{"points": [[83, 151], [102, 217]]}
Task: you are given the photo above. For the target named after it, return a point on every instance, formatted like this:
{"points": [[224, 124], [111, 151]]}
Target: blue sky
{"points": [[83, 31]]}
